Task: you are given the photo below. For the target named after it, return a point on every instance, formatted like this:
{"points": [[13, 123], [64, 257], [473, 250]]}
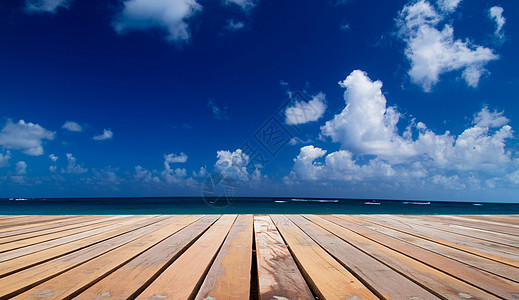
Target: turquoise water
{"points": [[198, 205]]}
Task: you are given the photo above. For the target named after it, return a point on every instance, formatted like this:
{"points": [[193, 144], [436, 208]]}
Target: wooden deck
{"points": [[270, 257]]}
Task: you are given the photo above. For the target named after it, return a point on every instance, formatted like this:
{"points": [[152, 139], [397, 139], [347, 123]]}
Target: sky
{"points": [[318, 98]]}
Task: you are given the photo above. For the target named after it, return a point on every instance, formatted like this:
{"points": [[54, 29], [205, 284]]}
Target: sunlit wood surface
{"points": [[268, 257]]}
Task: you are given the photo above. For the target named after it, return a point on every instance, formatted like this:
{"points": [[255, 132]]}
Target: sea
{"points": [[242, 205]]}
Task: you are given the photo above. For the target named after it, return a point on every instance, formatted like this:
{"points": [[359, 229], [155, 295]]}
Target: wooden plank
{"points": [[21, 281], [23, 262], [230, 274], [53, 243], [16, 230], [64, 226], [482, 263], [142, 270], [441, 238], [502, 219], [436, 282], [512, 231], [327, 278], [486, 281], [385, 282], [36, 223], [278, 275], [71, 283], [48, 237], [182, 279]]}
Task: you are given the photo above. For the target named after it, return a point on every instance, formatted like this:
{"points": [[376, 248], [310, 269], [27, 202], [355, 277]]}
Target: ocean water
{"points": [[199, 205]]}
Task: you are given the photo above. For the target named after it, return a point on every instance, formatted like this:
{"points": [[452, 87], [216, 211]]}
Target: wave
{"points": [[315, 200], [372, 203], [417, 203]]}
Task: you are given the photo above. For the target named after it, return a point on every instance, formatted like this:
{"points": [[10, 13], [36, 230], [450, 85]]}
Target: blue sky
{"points": [[371, 99]]}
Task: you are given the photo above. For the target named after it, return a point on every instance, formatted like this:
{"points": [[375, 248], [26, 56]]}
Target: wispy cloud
{"points": [[234, 25], [45, 6], [106, 135], [496, 14], [220, 113], [245, 5]]}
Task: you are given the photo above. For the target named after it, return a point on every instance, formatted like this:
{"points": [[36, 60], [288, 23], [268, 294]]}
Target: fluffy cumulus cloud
{"points": [[72, 166], [27, 137], [232, 164], [45, 6], [433, 50], [106, 135], [373, 148], [367, 125], [53, 157], [72, 126], [306, 111], [496, 14], [173, 158], [168, 15]]}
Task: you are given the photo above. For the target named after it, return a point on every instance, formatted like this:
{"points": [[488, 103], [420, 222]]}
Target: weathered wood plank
{"points": [[443, 238], [19, 282], [387, 283], [129, 280], [437, 282], [482, 263], [327, 278], [23, 262], [36, 224], [64, 226], [278, 275], [19, 229], [230, 274], [71, 283], [486, 281], [182, 279], [52, 236]]}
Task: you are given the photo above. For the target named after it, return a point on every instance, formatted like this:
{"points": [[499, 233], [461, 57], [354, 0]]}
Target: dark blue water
{"points": [[195, 205]]}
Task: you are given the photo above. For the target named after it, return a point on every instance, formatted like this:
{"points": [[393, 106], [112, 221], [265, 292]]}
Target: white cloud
{"points": [[485, 118], [27, 137], [448, 6], [141, 174], [366, 125], [106, 135], [220, 113], [432, 52], [232, 164], [173, 158], [53, 157], [303, 112], [169, 15], [246, 5], [52, 169], [21, 168], [45, 6], [4, 159], [72, 166], [234, 26], [496, 14], [201, 173], [373, 149], [72, 126]]}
